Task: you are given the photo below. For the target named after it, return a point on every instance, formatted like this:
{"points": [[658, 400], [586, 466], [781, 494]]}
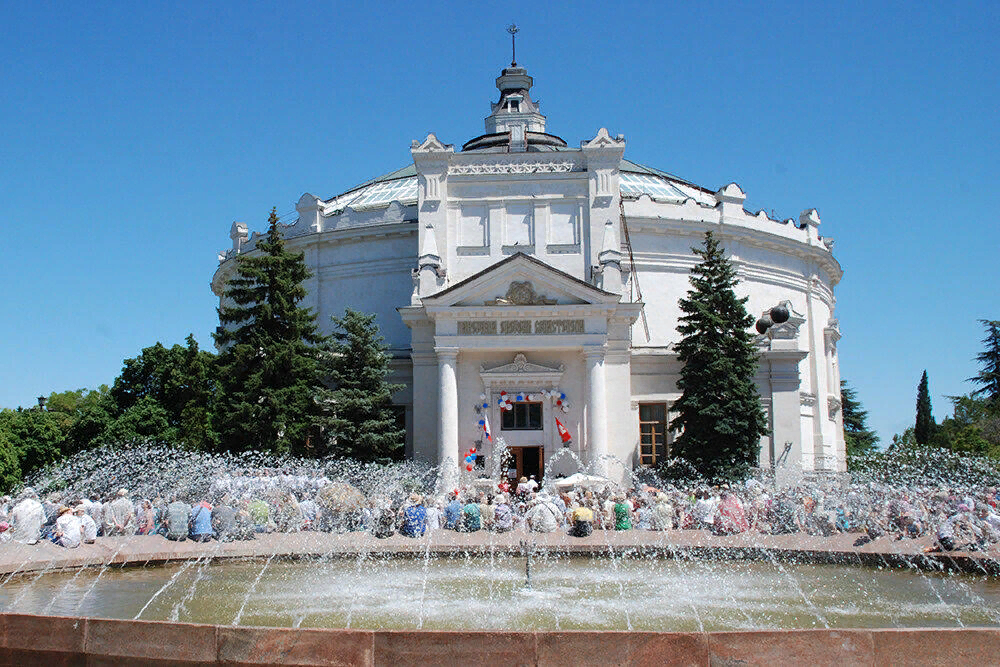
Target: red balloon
{"points": [[472, 450], [469, 467], [559, 402]]}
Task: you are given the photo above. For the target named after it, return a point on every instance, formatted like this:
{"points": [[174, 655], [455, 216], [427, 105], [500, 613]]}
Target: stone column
{"points": [[597, 409], [447, 457]]}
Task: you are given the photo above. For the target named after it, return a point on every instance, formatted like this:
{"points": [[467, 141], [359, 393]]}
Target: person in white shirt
{"points": [[87, 524], [27, 518], [69, 529]]}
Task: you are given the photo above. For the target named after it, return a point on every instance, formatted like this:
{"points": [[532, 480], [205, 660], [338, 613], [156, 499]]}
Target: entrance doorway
{"points": [[526, 461]]}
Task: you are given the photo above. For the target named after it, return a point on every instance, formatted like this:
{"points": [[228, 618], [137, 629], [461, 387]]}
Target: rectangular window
{"points": [[653, 446], [524, 417]]}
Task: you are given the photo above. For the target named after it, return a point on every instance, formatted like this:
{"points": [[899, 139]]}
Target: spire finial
{"points": [[513, 30]]}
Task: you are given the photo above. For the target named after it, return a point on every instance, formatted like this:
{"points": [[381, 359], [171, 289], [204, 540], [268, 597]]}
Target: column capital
{"points": [[446, 353], [594, 352]]}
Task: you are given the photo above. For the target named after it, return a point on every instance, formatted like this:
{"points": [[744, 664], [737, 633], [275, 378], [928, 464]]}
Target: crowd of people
{"points": [[239, 508]]}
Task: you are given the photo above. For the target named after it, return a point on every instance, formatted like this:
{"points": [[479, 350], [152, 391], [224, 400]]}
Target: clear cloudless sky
{"points": [[133, 134]]}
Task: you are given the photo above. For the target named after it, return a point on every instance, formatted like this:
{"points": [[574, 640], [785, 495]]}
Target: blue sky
{"points": [[133, 135]]}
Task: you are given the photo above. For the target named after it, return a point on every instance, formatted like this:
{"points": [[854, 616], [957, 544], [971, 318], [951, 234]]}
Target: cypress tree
{"points": [[268, 370], [857, 436], [988, 378], [719, 412], [924, 427], [360, 423]]}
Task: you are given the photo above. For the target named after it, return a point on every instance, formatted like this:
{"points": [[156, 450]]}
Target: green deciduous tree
{"points": [[719, 412], [268, 366], [860, 440], [180, 381], [923, 429], [35, 435], [360, 423], [10, 467], [84, 416]]}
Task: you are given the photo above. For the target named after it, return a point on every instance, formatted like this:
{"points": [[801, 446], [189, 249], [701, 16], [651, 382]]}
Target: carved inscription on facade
{"points": [[559, 327], [515, 327], [519, 327], [477, 328]]}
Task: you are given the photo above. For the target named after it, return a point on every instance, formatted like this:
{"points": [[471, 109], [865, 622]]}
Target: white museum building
{"points": [[506, 275]]}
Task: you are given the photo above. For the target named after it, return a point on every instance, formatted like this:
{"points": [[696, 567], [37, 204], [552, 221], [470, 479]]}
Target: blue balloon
{"points": [[486, 405], [470, 459], [520, 397], [499, 401], [482, 422], [562, 396]]}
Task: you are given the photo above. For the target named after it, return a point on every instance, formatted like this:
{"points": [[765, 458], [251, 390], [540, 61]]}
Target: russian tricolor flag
{"points": [[486, 427]]}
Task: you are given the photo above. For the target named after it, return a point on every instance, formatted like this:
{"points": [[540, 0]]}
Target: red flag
{"points": [[563, 432]]}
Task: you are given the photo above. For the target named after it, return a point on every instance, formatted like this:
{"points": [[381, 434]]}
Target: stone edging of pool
{"points": [[50, 640], [154, 550]]}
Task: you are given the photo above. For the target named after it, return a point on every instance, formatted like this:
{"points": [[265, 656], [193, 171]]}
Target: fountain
{"points": [[689, 589]]}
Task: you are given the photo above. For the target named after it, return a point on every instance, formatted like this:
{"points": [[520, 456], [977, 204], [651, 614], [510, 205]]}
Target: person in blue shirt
{"points": [[414, 517], [452, 512], [200, 522]]}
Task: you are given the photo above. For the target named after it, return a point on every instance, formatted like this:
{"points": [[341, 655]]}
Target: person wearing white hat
{"points": [[69, 529]]}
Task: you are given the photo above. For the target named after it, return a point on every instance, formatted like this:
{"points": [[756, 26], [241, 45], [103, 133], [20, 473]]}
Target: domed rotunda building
{"points": [[506, 275]]}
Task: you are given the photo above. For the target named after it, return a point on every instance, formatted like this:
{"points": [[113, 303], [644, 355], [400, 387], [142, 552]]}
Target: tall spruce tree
{"points": [[719, 412], [360, 423], [858, 437], [923, 429], [268, 368], [988, 378]]}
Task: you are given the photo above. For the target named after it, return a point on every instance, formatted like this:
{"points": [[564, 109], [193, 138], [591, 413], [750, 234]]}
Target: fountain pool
{"points": [[489, 593]]}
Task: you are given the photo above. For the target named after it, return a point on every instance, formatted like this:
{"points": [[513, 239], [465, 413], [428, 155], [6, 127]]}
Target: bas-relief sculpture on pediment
{"points": [[521, 293]]}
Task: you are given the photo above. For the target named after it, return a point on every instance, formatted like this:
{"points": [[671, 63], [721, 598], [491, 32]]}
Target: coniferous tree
{"points": [[719, 412], [267, 369], [988, 378], [360, 423], [923, 429], [858, 437]]}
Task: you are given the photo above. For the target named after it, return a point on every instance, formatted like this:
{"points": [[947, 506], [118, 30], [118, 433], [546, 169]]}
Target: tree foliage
{"points": [[923, 429], [719, 412], [360, 423], [268, 367], [35, 436], [10, 466], [859, 439], [167, 395], [988, 378]]}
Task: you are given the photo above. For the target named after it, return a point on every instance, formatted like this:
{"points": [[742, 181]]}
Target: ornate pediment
{"points": [[521, 293], [521, 373]]}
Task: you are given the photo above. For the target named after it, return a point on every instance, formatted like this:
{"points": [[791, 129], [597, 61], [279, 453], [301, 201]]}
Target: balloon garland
{"points": [[506, 402]]}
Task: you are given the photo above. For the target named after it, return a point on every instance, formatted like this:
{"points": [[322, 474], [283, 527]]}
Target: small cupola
{"points": [[515, 123]]}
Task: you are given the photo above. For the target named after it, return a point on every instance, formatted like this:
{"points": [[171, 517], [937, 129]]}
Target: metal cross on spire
{"points": [[513, 30]]}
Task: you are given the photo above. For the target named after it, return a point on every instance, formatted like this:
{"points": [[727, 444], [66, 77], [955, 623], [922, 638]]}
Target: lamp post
{"points": [[41, 402]]}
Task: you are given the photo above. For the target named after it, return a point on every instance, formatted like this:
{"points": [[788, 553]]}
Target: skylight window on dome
{"points": [[380, 194], [633, 185]]}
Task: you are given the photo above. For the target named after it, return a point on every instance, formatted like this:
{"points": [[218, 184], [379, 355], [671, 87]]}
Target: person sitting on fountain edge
{"points": [[200, 522], [413, 517], [583, 521], [452, 511]]}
